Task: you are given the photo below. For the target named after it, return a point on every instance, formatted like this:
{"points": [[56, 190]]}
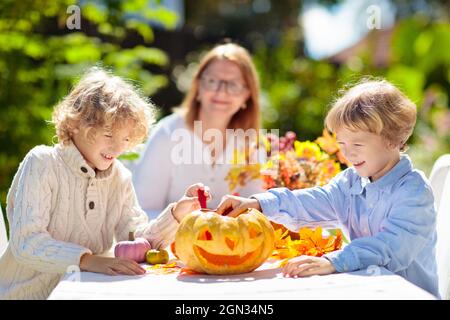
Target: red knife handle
{"points": [[201, 198]]}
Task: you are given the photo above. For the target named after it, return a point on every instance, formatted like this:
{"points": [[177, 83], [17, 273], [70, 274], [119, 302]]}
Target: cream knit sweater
{"points": [[58, 209]]}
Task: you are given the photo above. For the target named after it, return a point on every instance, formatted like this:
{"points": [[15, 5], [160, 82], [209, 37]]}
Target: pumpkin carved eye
{"points": [[230, 243], [205, 235], [253, 232]]}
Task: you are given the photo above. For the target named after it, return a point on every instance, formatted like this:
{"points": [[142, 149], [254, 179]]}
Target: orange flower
{"points": [[342, 159], [241, 174], [328, 142]]}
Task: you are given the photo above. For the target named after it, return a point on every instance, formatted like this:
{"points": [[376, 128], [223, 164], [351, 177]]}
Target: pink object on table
{"points": [[134, 250]]}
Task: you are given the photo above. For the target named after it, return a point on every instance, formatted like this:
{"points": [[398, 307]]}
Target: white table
{"points": [[266, 282]]}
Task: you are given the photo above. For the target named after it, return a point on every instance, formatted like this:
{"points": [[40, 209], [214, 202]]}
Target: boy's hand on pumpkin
{"points": [[111, 266], [304, 266], [232, 206]]}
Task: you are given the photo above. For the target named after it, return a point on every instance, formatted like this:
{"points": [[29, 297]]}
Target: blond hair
{"points": [[247, 118], [376, 106], [102, 100]]}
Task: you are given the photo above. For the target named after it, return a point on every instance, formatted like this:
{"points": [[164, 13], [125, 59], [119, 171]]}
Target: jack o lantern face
{"points": [[210, 243]]}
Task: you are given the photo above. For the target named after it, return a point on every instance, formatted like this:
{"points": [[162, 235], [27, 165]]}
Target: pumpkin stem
{"points": [[131, 236]]}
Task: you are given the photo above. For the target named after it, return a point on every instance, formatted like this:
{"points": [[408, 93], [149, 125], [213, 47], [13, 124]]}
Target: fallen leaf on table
{"points": [[187, 271], [164, 268]]}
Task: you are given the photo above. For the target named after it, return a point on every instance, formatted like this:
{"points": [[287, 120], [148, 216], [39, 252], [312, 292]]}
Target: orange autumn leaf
{"points": [[187, 271], [280, 237], [310, 242], [164, 268], [169, 265]]}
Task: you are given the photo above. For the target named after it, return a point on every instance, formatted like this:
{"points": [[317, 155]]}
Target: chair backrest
{"points": [[438, 175], [3, 235], [440, 182]]}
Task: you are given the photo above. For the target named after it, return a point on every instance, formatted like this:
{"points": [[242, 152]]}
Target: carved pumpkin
{"points": [[207, 242]]}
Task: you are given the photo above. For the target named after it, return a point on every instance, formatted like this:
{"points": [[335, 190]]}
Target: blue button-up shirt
{"points": [[391, 222]]}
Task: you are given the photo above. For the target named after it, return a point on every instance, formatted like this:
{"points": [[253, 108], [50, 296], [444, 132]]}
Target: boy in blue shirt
{"points": [[386, 206]]}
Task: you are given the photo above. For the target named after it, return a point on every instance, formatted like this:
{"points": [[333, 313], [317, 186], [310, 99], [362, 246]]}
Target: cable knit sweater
{"points": [[59, 209]]}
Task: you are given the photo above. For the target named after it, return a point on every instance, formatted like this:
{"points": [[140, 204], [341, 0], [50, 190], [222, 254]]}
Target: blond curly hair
{"points": [[376, 106], [101, 100]]}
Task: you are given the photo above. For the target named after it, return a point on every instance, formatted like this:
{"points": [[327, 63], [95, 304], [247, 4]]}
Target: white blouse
{"points": [[161, 177]]}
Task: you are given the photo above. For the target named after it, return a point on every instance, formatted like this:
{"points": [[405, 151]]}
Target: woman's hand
{"points": [[304, 266], [111, 266], [232, 206], [189, 202]]}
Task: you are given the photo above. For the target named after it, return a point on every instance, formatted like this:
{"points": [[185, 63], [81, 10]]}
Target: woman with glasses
{"points": [[216, 124]]}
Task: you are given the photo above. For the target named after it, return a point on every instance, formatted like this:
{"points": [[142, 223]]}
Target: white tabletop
{"points": [[266, 282]]}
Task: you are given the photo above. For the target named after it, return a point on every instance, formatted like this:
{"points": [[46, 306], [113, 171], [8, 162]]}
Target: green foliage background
{"points": [[297, 92], [40, 59]]}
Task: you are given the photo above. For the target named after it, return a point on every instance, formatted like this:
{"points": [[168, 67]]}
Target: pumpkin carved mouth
{"points": [[221, 260]]}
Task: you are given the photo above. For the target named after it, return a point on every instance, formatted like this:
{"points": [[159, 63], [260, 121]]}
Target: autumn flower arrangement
{"points": [[295, 165], [290, 163]]}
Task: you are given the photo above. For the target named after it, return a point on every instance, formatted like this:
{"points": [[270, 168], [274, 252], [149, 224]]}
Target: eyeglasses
{"points": [[213, 84]]}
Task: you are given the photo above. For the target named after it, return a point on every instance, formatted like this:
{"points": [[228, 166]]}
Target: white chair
{"points": [[3, 235], [440, 182], [437, 177]]}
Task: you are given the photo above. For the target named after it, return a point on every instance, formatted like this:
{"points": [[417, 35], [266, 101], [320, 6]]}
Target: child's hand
{"points": [[304, 266], [189, 202], [111, 266], [192, 190], [232, 206]]}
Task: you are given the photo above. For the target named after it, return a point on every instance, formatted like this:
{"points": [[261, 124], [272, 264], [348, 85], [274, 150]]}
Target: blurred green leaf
{"points": [[134, 5], [410, 80], [91, 11], [144, 30], [162, 15], [129, 156]]}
